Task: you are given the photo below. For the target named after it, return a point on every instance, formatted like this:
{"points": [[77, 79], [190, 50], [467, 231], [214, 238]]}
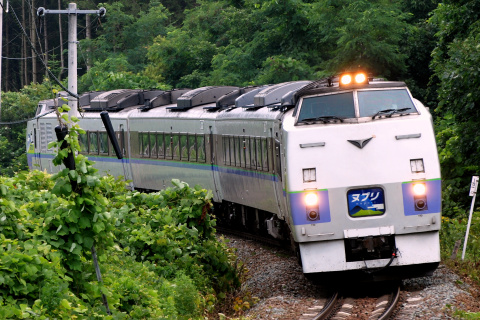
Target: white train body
{"points": [[262, 159]]}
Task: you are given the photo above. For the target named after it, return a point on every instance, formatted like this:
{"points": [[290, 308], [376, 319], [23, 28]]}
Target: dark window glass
{"points": [[192, 148], [168, 146], [265, 154], [232, 151], [176, 146], [145, 145], [226, 149], [258, 145], [153, 145], [253, 153], [103, 139], [93, 141], [160, 145], [201, 148], [372, 101], [338, 105], [83, 142], [246, 147], [184, 147]]}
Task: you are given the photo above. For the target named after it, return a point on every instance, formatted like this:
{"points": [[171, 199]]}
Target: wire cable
{"points": [[25, 120]]}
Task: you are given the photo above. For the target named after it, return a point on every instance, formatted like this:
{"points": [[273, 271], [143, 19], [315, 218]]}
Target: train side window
{"points": [[258, 147], [192, 148], [232, 150], [241, 147], [83, 142], [184, 147], [265, 154], [176, 146], [226, 150], [168, 146], [160, 145], [200, 148], [153, 144], [93, 142], [103, 143], [145, 147], [253, 154], [246, 148], [238, 151]]}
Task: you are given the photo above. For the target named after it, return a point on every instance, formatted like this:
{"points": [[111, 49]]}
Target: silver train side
{"points": [[335, 171]]}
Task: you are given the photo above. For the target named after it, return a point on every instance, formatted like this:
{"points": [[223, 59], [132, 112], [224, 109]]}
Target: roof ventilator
{"points": [[197, 97]]}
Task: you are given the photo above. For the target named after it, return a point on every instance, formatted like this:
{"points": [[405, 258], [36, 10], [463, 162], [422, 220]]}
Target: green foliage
{"points": [[18, 106]]}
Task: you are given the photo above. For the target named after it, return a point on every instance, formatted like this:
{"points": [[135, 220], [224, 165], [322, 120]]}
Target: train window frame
{"points": [[259, 153], [144, 141], [237, 151], [192, 147], [232, 150], [201, 156], [253, 154]]}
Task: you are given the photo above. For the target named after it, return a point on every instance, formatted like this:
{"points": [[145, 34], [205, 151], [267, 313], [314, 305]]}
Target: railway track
{"points": [[339, 308]]}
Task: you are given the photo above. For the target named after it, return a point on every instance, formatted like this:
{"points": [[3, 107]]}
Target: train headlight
{"points": [[311, 199], [419, 189], [346, 79], [359, 78]]}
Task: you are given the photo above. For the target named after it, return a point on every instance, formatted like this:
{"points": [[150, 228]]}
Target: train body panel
{"points": [[351, 175]]}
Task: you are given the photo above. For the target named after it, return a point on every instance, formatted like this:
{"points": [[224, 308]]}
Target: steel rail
{"points": [[391, 308], [326, 311]]}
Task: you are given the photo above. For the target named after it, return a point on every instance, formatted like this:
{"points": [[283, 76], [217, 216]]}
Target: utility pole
{"points": [[72, 48], [1, 45]]}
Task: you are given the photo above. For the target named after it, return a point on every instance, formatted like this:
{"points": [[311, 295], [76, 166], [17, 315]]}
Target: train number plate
{"points": [[366, 202]]}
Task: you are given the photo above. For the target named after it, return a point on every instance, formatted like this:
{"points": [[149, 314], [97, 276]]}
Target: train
{"points": [[344, 170]]}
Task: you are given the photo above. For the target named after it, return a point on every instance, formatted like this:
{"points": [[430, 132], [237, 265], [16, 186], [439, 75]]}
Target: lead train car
{"points": [[348, 172]]}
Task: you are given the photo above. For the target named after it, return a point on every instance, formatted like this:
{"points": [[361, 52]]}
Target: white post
{"points": [[473, 192], [1, 45], [72, 58]]}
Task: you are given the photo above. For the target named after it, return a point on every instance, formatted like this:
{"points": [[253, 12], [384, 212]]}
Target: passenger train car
{"points": [[347, 171]]}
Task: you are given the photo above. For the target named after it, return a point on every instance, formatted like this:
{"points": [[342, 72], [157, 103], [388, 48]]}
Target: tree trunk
{"points": [[33, 37], [62, 65]]}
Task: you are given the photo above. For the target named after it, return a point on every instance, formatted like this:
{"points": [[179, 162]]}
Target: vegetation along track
{"points": [[355, 306]]}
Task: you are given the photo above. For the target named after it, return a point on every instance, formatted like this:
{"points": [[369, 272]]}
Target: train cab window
{"points": [[392, 100], [200, 145], [183, 147], [192, 148], [176, 146], [153, 145], [93, 142], [339, 105], [103, 143], [83, 142], [168, 146], [160, 145]]}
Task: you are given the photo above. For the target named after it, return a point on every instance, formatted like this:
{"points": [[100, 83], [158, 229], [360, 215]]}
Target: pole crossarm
{"points": [[41, 11]]}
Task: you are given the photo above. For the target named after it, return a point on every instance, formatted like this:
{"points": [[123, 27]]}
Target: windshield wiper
{"points": [[324, 119], [390, 112]]}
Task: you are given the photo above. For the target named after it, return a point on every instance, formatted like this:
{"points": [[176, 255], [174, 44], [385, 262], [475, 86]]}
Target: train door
{"points": [[33, 148], [279, 192]]}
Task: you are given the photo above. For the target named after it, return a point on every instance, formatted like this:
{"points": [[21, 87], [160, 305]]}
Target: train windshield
{"points": [[333, 106], [375, 102]]}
